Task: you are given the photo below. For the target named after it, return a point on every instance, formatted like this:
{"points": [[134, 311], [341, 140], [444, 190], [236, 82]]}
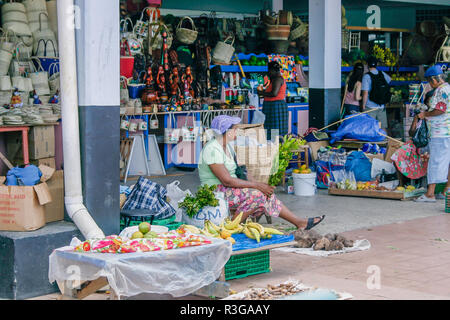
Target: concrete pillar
{"points": [[98, 59], [324, 61]]}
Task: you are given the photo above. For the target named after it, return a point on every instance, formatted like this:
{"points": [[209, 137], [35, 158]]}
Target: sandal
{"points": [[424, 198], [311, 224]]}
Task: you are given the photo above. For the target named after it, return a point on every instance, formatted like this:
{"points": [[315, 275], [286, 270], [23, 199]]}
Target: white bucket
{"points": [[304, 184]]}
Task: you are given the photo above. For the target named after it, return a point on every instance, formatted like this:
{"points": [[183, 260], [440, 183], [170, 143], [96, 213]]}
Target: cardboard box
{"points": [[54, 211], [392, 147], [22, 207], [49, 162], [41, 143], [374, 156]]}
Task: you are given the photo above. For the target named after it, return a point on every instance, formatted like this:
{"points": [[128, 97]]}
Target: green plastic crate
{"points": [[247, 264], [447, 202], [440, 187], [169, 223]]}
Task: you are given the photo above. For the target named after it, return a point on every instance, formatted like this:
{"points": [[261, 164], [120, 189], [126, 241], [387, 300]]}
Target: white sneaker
{"points": [[424, 198]]}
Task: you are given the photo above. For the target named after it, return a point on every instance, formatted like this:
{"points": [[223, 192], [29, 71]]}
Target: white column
{"points": [[325, 44], [277, 5], [325, 34]]}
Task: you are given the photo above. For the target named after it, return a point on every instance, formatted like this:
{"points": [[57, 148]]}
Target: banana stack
{"points": [[251, 229]]}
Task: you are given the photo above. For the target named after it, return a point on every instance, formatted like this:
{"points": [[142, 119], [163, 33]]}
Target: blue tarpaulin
{"points": [[243, 243]]}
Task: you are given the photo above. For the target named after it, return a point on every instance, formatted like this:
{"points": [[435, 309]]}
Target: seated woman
{"points": [[217, 166]]}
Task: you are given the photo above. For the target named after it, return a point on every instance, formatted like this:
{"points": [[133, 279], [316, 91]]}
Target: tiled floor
{"points": [[412, 257]]}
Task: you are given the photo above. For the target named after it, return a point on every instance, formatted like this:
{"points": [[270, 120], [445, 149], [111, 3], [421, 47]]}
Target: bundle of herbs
{"points": [[203, 198]]}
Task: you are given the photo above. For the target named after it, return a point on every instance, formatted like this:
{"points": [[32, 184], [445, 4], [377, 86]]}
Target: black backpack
{"points": [[380, 93]]}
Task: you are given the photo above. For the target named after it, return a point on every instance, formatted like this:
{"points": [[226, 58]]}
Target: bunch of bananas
{"points": [[251, 229]]}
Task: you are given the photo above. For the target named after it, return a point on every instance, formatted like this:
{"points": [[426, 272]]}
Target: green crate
{"points": [[169, 223], [447, 202], [247, 264], [440, 187]]}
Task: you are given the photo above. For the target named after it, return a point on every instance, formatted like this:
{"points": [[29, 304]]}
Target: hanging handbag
{"points": [[43, 34], [185, 35], [141, 27], [126, 61], [7, 42], [154, 123], [171, 135], [39, 78], [189, 133], [124, 95], [124, 33], [47, 60], [156, 41], [420, 138], [20, 67], [53, 79]]}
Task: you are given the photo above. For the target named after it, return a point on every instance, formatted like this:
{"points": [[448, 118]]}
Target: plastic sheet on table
{"points": [[243, 242]]}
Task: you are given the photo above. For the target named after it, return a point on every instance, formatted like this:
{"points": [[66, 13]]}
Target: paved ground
{"points": [[410, 247]]}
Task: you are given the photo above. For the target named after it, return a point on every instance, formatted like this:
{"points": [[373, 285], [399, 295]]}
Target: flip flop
{"points": [[311, 224], [424, 198]]}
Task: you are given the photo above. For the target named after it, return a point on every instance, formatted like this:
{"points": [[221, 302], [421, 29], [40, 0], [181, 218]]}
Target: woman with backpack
{"points": [[353, 95]]}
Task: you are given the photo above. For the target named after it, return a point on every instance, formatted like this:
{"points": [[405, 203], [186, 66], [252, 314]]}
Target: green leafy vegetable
{"points": [[203, 198]]}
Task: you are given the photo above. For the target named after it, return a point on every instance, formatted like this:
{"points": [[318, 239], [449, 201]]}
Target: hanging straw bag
{"points": [[52, 16], [141, 27], [185, 35], [20, 67], [47, 60], [124, 95], [5, 61], [36, 22], [299, 29], [171, 135], [53, 79], [7, 42], [5, 83], [42, 34], [223, 52], [14, 17], [5, 97], [39, 78], [124, 33]]}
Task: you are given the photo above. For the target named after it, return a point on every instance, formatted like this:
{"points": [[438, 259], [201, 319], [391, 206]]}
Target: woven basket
{"points": [[52, 16], [35, 5], [14, 17], [184, 35], [223, 52], [34, 23], [5, 97], [40, 80], [7, 40], [278, 31], [157, 41], [299, 31], [5, 83], [5, 61], [286, 17]]}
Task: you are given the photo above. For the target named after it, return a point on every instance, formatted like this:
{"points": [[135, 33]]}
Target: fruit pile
{"points": [[385, 56], [144, 232], [254, 61], [405, 77], [397, 95], [229, 227], [302, 170], [407, 189]]}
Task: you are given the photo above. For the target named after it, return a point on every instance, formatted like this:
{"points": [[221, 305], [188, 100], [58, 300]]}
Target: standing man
{"points": [[438, 118], [376, 92]]}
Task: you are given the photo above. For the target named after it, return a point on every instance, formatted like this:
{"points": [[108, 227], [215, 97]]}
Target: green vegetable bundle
{"points": [[285, 155], [203, 198]]}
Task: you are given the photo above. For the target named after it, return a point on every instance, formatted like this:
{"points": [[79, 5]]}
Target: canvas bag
{"points": [[20, 66], [124, 95], [43, 34], [190, 133], [171, 135], [214, 214], [134, 42], [46, 59], [141, 27], [39, 78], [53, 79]]}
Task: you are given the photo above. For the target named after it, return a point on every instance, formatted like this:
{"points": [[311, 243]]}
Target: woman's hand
{"points": [[266, 189], [421, 115]]}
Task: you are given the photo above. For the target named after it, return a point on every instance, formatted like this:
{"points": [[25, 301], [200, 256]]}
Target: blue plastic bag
{"points": [[29, 176], [324, 171], [362, 127], [360, 165]]}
